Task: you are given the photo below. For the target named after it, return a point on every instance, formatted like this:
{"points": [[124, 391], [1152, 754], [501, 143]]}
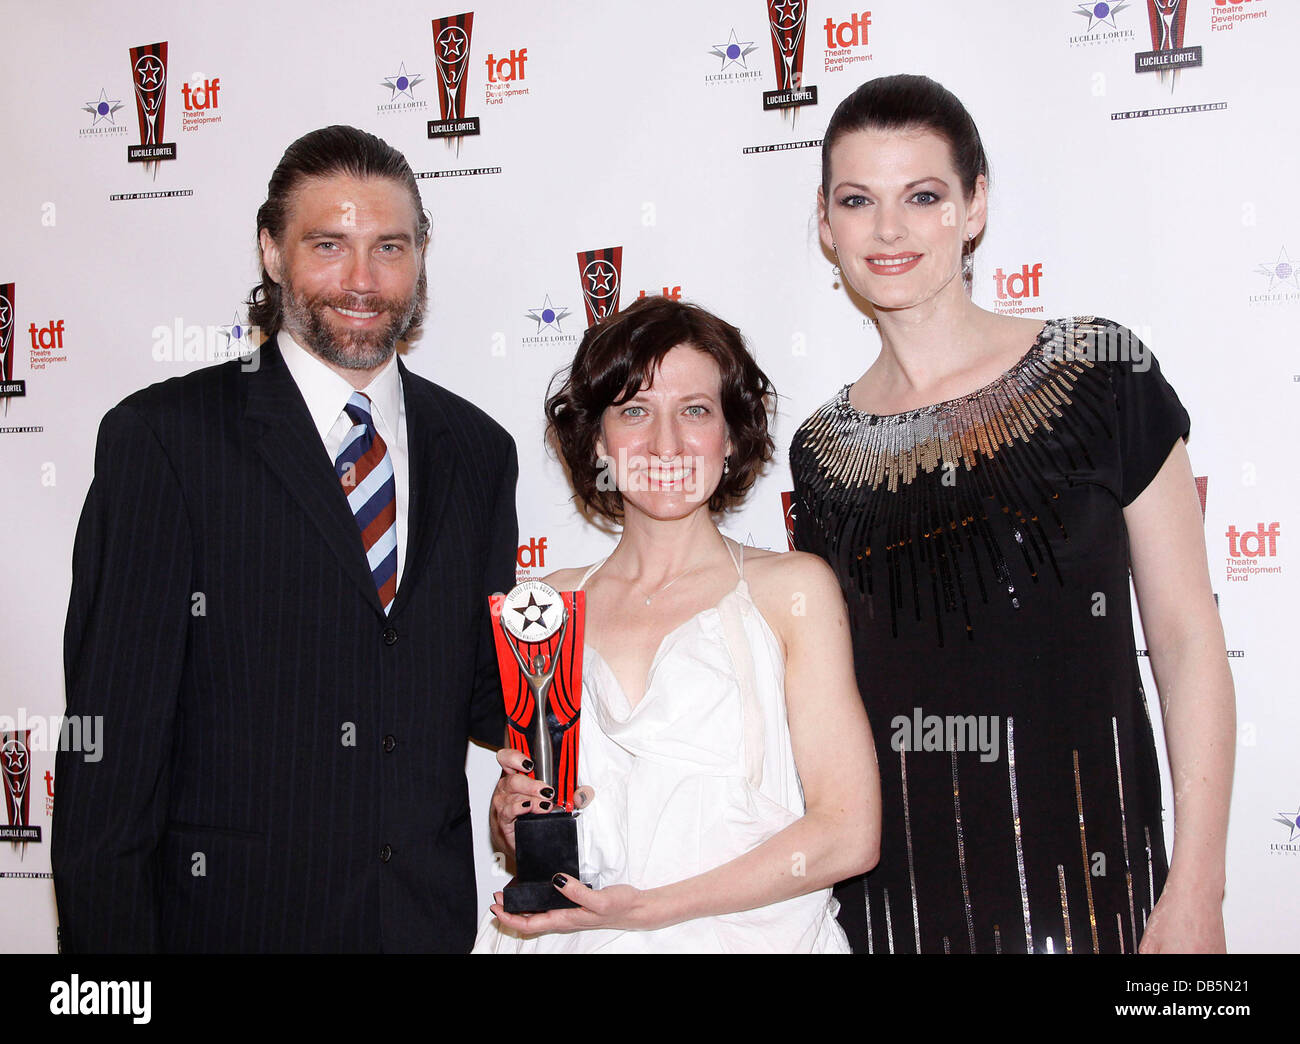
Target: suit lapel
{"points": [[432, 470], [285, 437]]}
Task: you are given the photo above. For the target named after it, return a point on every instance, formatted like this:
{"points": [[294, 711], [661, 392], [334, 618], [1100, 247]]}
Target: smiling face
{"points": [[669, 441], [896, 216], [349, 267]]}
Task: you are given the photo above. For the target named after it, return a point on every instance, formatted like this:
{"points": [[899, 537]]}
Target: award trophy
{"points": [[149, 78], [787, 20], [539, 651]]}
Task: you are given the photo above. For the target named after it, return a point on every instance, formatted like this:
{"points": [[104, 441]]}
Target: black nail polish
{"points": [[548, 792], [544, 805], [528, 804], [559, 880], [528, 764]]}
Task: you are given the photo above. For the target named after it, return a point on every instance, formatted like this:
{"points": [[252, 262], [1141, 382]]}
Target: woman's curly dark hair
{"points": [[620, 355]]}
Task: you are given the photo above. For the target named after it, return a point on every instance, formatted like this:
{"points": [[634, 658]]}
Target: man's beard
{"points": [[350, 349]]}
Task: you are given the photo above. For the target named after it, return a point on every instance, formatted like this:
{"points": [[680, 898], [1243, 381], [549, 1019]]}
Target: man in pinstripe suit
{"points": [[279, 607]]}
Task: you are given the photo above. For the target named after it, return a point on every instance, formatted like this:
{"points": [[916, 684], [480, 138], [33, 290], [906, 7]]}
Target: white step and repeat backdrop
{"points": [[1164, 200]]}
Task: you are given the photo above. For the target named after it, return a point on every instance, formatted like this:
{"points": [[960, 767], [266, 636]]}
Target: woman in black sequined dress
{"points": [[982, 492]]}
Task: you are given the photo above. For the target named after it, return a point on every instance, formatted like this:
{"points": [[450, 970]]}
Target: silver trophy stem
{"points": [[539, 678], [540, 741]]}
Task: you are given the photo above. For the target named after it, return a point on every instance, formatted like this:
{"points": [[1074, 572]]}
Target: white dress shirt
{"points": [[326, 393]]}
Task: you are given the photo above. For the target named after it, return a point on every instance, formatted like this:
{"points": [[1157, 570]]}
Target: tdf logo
{"points": [[531, 555], [1260, 542], [1018, 284], [504, 70], [198, 99], [852, 33]]}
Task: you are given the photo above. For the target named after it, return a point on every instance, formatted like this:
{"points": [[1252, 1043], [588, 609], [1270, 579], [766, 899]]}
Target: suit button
{"points": [[389, 743], [390, 636], [386, 853]]}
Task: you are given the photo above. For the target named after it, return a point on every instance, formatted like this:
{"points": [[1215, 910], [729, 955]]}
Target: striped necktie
{"points": [[366, 471]]}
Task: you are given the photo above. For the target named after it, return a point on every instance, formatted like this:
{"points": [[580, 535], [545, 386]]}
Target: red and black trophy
{"points": [[149, 77], [539, 637]]}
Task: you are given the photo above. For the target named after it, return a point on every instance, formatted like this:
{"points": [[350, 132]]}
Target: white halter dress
{"points": [[699, 772]]}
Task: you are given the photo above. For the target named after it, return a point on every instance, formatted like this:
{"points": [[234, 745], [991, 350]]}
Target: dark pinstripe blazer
{"points": [[283, 767]]}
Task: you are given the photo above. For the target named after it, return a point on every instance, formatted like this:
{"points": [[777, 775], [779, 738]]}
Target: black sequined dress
{"points": [[981, 547]]}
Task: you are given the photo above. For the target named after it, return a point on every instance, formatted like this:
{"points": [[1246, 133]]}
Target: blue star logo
{"points": [[733, 52], [402, 83], [1280, 272], [236, 334], [1291, 820], [548, 315], [1101, 13], [103, 109]]}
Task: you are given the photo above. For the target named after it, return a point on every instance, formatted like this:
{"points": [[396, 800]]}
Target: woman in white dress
{"points": [[732, 766]]}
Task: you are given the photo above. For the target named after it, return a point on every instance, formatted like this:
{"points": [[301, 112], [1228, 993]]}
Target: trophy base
{"points": [[546, 844], [533, 897]]}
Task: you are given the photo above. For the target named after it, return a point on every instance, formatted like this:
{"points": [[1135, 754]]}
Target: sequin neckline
{"points": [[951, 497], [1050, 330]]}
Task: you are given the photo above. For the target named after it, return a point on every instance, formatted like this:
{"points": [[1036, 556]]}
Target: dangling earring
{"points": [[835, 269], [726, 466], [968, 262]]}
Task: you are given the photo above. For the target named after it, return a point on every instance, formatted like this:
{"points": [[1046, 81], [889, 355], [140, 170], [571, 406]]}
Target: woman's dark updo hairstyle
{"points": [[906, 102], [620, 355]]}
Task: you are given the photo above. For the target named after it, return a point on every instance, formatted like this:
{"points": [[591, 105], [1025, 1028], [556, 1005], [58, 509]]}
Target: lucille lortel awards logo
{"points": [[149, 77], [787, 20], [451, 38], [1168, 19], [8, 386], [16, 766], [790, 508], [600, 271]]}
